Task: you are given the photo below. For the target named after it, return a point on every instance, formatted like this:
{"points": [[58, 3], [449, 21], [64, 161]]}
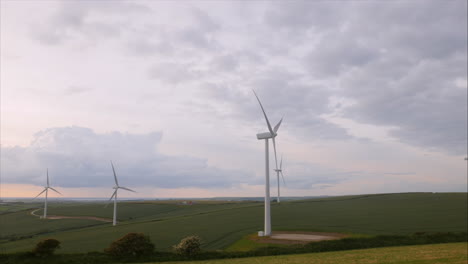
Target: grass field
{"points": [[221, 224], [15, 207], [453, 253], [23, 224]]}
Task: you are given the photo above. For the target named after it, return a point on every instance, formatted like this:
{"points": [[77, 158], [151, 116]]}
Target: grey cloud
{"points": [[173, 73], [73, 90], [200, 34], [303, 15], [204, 21], [196, 38], [396, 60], [152, 38], [282, 94], [234, 62], [336, 53], [78, 157], [146, 46], [424, 103], [225, 63], [431, 29], [75, 19]]}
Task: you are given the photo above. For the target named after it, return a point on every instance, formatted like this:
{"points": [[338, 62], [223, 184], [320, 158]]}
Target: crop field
{"points": [[452, 253], [220, 224], [15, 206]]}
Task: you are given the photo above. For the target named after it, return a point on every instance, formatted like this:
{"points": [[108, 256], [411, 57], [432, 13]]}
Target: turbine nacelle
{"points": [[265, 135]]}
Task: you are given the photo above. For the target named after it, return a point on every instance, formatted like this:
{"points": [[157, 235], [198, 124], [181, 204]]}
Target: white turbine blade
{"points": [[277, 125], [274, 148], [125, 188], [55, 190], [115, 176], [40, 193], [263, 110], [111, 198], [282, 176], [47, 177]]}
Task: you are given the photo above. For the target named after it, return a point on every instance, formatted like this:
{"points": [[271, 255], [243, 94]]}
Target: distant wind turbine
{"points": [[46, 190], [278, 172], [114, 195], [267, 135]]}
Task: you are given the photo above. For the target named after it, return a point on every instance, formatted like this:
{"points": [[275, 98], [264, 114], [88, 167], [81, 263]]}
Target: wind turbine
{"points": [[267, 135], [278, 172], [114, 195], [46, 190]]}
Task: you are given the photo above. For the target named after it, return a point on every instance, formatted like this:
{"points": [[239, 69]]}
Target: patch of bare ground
{"points": [[296, 237], [80, 217]]}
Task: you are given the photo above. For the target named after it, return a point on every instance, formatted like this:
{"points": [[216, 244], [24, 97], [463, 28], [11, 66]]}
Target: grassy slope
{"points": [[454, 253], [222, 224]]}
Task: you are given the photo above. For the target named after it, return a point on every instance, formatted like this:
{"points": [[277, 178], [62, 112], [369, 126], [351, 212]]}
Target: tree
{"points": [[189, 246], [46, 247], [132, 244]]}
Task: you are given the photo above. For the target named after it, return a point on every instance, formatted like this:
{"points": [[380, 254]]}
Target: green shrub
{"points": [[46, 247], [132, 244], [189, 246]]}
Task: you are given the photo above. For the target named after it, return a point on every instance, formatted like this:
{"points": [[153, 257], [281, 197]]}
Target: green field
{"points": [[220, 224], [454, 253]]}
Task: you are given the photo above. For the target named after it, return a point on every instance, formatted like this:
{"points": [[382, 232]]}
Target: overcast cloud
{"points": [[99, 77], [78, 157]]}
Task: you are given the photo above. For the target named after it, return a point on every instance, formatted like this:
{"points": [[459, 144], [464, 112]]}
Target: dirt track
{"points": [[107, 220], [297, 237]]}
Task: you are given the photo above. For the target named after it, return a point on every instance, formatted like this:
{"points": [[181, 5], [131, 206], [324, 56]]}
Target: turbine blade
{"points": [[111, 198], [125, 188], [263, 110], [278, 125], [115, 176], [47, 177], [40, 193], [55, 190], [274, 148], [282, 176]]}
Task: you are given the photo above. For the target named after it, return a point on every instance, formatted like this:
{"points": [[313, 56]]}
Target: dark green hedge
{"points": [[322, 246]]}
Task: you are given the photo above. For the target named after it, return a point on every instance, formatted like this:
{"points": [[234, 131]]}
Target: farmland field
{"points": [[455, 253], [220, 224]]}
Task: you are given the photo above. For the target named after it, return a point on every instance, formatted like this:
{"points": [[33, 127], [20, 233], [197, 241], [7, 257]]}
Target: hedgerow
{"points": [[322, 246]]}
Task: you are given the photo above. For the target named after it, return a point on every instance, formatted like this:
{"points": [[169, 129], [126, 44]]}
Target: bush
{"points": [[132, 244], [46, 247], [189, 246]]}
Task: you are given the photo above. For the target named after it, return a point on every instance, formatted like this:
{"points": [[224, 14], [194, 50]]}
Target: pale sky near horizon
{"points": [[373, 94]]}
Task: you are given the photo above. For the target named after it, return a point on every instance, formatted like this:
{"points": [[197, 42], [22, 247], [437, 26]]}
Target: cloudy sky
{"points": [[373, 94]]}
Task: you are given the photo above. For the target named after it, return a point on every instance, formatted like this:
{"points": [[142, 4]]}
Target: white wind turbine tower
{"points": [[114, 195], [267, 135], [46, 190], [278, 172]]}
